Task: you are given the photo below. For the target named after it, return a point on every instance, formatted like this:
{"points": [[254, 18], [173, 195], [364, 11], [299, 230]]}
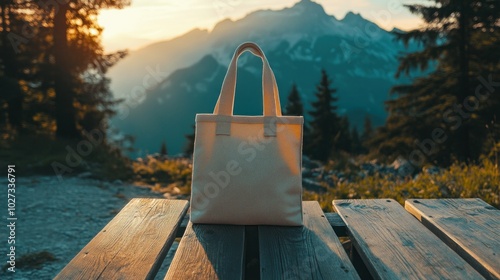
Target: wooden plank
{"points": [[471, 227], [337, 224], [334, 219], [183, 226], [394, 245], [209, 252], [132, 245], [309, 252]]}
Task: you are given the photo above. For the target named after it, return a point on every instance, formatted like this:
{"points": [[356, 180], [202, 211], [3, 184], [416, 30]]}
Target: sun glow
{"points": [[148, 21]]}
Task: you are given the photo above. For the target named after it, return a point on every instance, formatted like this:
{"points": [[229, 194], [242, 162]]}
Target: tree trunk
{"points": [[64, 108], [13, 95], [464, 76]]}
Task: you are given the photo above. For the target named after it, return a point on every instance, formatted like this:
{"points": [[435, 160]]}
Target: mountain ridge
{"points": [[360, 57]]}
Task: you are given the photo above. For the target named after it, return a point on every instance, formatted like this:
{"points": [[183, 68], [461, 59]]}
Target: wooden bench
{"points": [[389, 243], [470, 227]]}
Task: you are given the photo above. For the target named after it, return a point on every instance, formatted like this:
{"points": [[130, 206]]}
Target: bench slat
{"points": [[132, 245], [309, 252], [209, 252], [337, 224], [394, 245], [333, 218], [471, 227]]}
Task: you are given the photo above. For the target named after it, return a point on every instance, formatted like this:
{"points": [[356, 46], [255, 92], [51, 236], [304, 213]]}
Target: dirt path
{"points": [[61, 217]]}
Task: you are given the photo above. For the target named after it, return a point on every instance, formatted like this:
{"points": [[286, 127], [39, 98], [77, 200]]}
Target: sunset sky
{"points": [[147, 21]]}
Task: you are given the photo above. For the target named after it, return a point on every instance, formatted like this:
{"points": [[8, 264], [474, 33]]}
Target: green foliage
{"points": [[458, 181], [294, 107], [36, 154], [55, 81], [164, 174], [367, 131], [343, 141], [324, 126], [461, 39], [356, 145], [163, 148], [189, 148]]}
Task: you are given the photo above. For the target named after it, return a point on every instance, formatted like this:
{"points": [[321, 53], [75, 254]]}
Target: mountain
{"points": [[360, 57]]}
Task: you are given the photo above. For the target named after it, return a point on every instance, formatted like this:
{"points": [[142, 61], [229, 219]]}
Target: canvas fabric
{"points": [[247, 169]]}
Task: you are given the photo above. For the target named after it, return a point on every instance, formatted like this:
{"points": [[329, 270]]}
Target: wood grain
{"points": [[309, 252], [394, 245], [209, 252], [334, 219], [132, 245], [471, 227]]}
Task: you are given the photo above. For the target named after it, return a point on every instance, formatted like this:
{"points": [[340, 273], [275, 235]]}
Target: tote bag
{"points": [[247, 169]]}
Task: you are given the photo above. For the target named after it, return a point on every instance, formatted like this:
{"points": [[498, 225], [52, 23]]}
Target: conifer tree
{"points": [[189, 148], [368, 133], [356, 147], [367, 128], [294, 107], [13, 60], [324, 125], [163, 148], [77, 53], [343, 141], [457, 40]]}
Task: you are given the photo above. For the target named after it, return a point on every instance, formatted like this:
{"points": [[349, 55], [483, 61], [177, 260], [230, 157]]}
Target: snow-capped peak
{"points": [[309, 7]]}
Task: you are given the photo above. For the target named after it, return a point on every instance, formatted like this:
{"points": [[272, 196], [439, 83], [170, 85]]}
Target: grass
{"points": [[34, 153], [166, 175], [458, 181]]}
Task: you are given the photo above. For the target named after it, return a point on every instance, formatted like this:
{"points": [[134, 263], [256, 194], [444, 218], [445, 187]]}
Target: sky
{"points": [[148, 21]]}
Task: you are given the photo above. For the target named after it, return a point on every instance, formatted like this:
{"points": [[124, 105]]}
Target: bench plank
{"points": [[337, 224], [394, 245], [471, 227], [209, 252], [333, 218], [132, 245], [309, 252]]}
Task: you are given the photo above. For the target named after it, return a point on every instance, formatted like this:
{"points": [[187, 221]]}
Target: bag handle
{"points": [[270, 94]]}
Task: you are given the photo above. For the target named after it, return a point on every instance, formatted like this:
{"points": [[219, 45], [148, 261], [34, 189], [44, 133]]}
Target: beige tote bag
{"points": [[247, 169]]}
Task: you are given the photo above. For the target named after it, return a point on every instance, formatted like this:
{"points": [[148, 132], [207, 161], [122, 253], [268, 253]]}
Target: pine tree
{"points": [[356, 147], [343, 141], [163, 148], [368, 133], [324, 126], [189, 148], [12, 21], [457, 41], [294, 106], [76, 48], [368, 128], [55, 53]]}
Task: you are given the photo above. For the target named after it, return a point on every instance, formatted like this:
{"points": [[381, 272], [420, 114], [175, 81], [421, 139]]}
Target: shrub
{"points": [[165, 174], [458, 181], [33, 260]]}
